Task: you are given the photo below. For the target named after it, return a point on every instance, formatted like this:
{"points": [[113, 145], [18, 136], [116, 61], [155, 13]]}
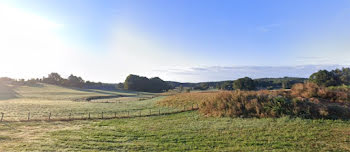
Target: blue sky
{"points": [[105, 40]]}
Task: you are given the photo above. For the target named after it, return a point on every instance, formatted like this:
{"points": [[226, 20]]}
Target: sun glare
{"points": [[30, 39]]}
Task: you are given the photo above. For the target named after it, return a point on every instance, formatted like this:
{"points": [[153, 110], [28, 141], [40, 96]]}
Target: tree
{"points": [[74, 81], [286, 84], [157, 85], [227, 85], [326, 78], [202, 86], [138, 83], [345, 76], [120, 86], [53, 78], [245, 83]]}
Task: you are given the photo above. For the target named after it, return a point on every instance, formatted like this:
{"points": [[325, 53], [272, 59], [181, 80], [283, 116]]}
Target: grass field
{"points": [[41, 100], [186, 131], [179, 132]]}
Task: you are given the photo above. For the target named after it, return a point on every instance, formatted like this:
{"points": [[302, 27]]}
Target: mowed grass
{"points": [[186, 131], [41, 100], [52, 92]]}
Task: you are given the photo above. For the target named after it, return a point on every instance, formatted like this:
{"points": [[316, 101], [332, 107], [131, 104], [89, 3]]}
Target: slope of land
{"points": [[37, 102]]}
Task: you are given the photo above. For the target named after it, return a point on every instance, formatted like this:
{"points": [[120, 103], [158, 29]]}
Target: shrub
{"points": [[299, 102], [314, 92]]}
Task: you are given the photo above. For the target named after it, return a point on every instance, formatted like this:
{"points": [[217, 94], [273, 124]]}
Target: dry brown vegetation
{"points": [[181, 99], [313, 92], [303, 100]]}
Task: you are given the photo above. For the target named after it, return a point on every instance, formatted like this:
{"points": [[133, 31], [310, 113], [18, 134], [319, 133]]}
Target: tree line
{"points": [[324, 78], [139, 83], [335, 77], [56, 79]]}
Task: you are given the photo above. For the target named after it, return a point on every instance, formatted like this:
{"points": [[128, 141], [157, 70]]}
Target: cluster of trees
{"points": [[76, 82], [263, 83], [331, 78], [245, 83], [201, 86], [259, 84], [19, 82], [139, 83], [56, 79], [71, 81], [278, 83]]}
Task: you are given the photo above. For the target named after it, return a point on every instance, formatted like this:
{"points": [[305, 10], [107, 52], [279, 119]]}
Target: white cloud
{"points": [[268, 28]]}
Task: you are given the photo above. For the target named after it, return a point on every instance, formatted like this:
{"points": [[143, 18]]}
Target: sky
{"points": [[180, 40]]}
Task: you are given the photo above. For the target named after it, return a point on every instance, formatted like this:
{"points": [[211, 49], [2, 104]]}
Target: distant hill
{"points": [[261, 83]]}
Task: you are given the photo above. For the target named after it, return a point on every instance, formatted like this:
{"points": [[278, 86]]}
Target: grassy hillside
{"points": [[52, 92], [42, 99]]}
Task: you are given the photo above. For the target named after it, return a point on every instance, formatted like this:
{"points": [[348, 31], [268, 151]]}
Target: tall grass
{"points": [[183, 99], [303, 100], [313, 92]]}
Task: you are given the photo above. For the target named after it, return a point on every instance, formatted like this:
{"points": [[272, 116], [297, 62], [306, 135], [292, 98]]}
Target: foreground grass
{"points": [[189, 132]]}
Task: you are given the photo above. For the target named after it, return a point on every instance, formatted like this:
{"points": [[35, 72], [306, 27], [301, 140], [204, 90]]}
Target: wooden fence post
{"points": [[2, 116], [28, 116], [192, 106], [50, 116], [89, 115], [115, 114]]}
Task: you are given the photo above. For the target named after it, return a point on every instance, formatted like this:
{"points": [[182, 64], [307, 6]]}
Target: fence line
{"points": [[94, 115]]}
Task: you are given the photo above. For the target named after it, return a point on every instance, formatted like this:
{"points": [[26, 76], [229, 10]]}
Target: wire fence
{"points": [[68, 116]]}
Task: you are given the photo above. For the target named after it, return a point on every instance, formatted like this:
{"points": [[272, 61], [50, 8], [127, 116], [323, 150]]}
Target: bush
{"points": [[314, 92], [299, 102]]}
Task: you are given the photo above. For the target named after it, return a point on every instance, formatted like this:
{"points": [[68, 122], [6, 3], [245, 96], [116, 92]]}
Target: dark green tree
{"points": [[245, 83], [326, 78], [345, 76], [138, 83], [74, 81], [202, 86], [227, 85], [53, 78]]}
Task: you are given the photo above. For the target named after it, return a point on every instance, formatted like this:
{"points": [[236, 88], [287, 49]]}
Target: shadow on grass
{"points": [[7, 92]]}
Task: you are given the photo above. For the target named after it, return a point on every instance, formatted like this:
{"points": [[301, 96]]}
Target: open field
{"points": [[38, 102], [179, 132], [186, 131]]}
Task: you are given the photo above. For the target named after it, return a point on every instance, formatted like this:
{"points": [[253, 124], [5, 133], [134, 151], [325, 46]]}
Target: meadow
{"points": [[184, 131], [38, 102]]}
